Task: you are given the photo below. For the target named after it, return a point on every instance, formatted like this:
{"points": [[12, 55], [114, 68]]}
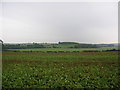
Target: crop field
{"points": [[65, 49], [60, 70]]}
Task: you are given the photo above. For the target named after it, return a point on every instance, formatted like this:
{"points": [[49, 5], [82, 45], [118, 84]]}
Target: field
{"points": [[61, 70], [65, 49]]}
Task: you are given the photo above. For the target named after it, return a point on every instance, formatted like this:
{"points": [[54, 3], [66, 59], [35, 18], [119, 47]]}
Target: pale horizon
{"points": [[51, 22], [61, 41]]}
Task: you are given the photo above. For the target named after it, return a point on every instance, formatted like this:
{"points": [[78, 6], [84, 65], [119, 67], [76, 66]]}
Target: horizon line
{"points": [[60, 41]]}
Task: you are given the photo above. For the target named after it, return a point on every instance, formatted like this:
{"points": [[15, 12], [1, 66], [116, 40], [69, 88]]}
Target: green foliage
{"points": [[22, 46], [59, 45], [85, 46], [68, 43], [65, 49], [60, 70]]}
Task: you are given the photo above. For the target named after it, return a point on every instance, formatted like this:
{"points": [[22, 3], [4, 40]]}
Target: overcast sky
{"points": [[88, 22]]}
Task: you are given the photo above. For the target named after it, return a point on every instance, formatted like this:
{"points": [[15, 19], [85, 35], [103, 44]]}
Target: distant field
{"points": [[64, 49], [60, 70], [61, 45]]}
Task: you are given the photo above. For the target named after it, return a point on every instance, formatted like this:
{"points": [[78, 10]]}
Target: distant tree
{"points": [[68, 43], [1, 41], [85, 46]]}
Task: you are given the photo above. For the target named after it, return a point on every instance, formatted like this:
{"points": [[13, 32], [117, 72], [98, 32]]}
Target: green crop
{"points": [[60, 70]]}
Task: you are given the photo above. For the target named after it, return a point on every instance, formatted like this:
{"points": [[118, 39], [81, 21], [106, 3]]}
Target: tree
{"points": [[1, 41]]}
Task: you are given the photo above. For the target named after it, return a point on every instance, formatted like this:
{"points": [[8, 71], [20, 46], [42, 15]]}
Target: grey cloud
{"points": [[53, 22]]}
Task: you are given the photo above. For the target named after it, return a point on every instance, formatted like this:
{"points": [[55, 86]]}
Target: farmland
{"points": [[60, 70], [65, 49]]}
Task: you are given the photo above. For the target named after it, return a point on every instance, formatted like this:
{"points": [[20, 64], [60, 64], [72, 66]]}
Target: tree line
{"points": [[36, 45]]}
